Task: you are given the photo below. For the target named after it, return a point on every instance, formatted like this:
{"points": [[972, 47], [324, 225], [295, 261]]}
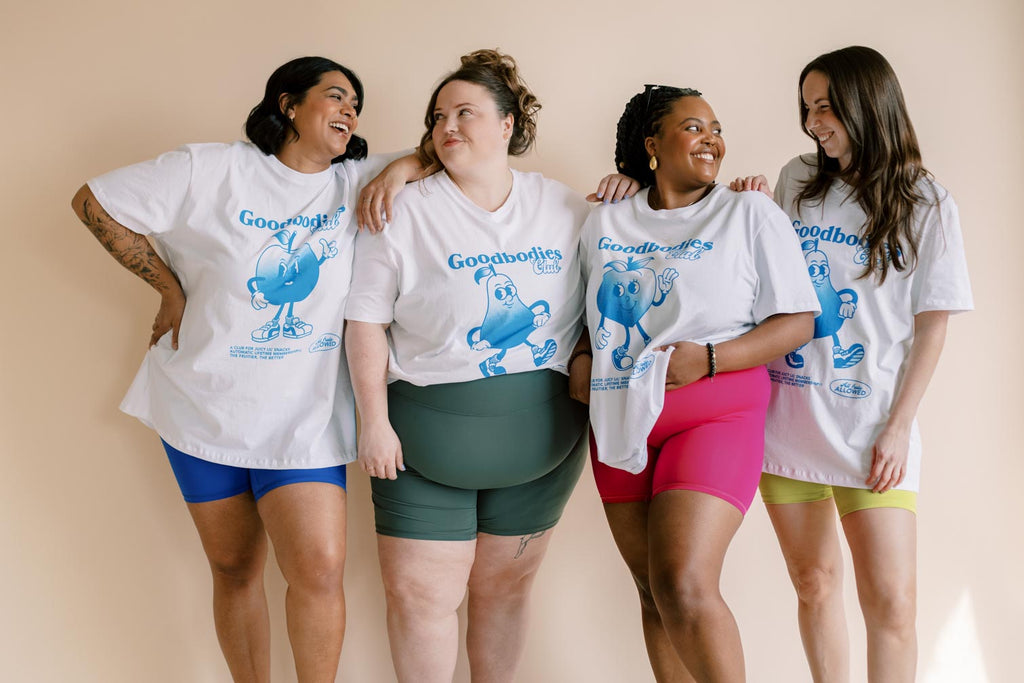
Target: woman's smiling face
{"points": [[689, 144]]}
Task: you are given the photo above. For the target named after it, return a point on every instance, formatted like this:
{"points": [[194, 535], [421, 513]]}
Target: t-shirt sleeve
{"points": [[146, 197], [940, 277], [374, 288], [783, 285]]}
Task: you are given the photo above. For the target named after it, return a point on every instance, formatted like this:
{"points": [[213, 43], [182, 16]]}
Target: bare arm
{"points": [[376, 200], [774, 337], [889, 461], [581, 362], [380, 451], [134, 252]]}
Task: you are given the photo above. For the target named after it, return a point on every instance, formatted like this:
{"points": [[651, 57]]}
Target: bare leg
{"points": [[499, 596], [425, 582], [236, 548], [883, 543], [810, 545], [628, 522], [688, 535], [306, 523]]}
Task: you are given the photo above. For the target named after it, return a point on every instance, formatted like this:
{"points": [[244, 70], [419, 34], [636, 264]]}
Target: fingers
{"points": [[602, 188], [621, 189]]}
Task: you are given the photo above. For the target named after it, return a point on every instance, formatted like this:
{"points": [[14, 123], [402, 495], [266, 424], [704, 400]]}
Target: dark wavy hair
{"points": [[640, 120], [499, 74], [269, 128], [885, 168]]}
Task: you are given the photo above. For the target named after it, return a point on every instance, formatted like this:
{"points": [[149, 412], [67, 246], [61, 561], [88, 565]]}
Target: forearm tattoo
{"points": [[524, 541], [132, 250]]}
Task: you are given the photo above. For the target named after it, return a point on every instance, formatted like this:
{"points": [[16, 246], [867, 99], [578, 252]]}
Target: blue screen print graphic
{"points": [[626, 293], [285, 276], [508, 323], [836, 309]]}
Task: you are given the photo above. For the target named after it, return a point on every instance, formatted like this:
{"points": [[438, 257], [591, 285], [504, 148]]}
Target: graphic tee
{"points": [[708, 272], [471, 293], [831, 398], [264, 255]]}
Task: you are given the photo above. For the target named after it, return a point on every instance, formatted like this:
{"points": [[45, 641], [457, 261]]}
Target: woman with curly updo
{"points": [[691, 289], [461, 322]]}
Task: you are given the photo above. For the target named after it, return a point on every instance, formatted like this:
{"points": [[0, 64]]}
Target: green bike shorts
{"points": [[499, 455]]}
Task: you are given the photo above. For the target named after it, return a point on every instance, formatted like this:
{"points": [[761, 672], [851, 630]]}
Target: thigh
{"points": [[535, 506], [501, 560], [231, 532], [433, 573], [719, 446], [690, 532], [202, 481], [807, 534], [306, 521], [883, 546], [628, 524], [414, 507]]}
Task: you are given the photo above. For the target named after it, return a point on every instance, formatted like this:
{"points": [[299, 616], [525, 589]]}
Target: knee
{"points": [[685, 596], [890, 607], [816, 585], [643, 588], [237, 566], [315, 569]]}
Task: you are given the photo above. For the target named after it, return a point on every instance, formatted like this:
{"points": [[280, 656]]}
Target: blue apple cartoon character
{"points": [[836, 308], [508, 323], [625, 295], [284, 276]]}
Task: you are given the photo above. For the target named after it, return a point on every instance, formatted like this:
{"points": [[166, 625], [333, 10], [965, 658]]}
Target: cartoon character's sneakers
{"points": [[490, 367], [269, 330], [847, 358], [620, 359], [794, 360], [542, 354], [295, 328]]}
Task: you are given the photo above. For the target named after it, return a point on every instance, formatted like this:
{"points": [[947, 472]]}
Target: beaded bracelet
{"points": [[712, 361]]}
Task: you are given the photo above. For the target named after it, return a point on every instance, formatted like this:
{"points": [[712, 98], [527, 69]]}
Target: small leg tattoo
{"points": [[524, 541]]}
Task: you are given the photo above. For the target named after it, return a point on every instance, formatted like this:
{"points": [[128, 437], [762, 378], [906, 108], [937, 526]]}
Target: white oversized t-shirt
{"points": [[708, 272], [831, 398], [471, 293], [264, 256]]}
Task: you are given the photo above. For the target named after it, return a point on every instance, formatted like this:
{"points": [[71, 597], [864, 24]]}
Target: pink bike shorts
{"points": [[708, 438]]}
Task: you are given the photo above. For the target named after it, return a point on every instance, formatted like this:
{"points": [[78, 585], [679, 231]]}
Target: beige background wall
{"points": [[102, 577]]}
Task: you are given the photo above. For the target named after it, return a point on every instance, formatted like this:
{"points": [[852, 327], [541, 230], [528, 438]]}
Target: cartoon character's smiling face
{"points": [[502, 290], [285, 276], [626, 291], [817, 267]]}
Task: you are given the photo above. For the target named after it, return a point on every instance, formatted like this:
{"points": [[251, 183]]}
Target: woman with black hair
{"points": [[690, 291], [247, 383]]}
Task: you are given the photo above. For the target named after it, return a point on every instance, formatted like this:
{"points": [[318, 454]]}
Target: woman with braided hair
{"points": [[462, 319], [691, 289]]}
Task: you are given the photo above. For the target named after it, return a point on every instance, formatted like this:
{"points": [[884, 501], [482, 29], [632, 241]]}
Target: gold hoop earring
{"points": [[653, 163]]}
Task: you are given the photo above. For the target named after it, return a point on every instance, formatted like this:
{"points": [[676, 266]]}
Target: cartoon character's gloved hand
{"points": [[666, 279], [541, 318], [602, 337], [258, 301], [481, 345], [848, 306], [328, 249]]}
